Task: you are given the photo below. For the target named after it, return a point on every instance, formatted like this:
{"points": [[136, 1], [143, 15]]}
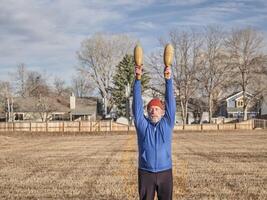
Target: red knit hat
{"points": [[155, 102]]}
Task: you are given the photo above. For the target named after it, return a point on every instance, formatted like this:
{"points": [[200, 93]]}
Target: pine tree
{"points": [[124, 76]]}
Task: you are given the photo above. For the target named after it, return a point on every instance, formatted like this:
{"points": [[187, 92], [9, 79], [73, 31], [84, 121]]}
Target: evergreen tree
{"points": [[123, 78]]}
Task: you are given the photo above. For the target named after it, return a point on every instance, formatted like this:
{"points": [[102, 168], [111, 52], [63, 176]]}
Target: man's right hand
{"points": [[138, 72]]}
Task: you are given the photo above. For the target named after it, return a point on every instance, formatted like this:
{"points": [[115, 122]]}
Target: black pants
{"points": [[151, 182]]}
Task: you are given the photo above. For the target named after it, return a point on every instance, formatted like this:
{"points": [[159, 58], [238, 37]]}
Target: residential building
{"points": [[54, 109]]}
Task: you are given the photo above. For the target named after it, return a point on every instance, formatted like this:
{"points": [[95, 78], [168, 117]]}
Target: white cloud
{"points": [[142, 25], [187, 2], [47, 33]]}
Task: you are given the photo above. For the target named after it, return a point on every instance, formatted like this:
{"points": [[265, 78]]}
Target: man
{"points": [[154, 134]]}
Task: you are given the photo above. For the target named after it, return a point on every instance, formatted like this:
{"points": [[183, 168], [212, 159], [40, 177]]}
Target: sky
{"points": [[46, 34]]}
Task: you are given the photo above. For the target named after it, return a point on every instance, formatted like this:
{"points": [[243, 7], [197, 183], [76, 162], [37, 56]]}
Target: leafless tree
{"points": [[187, 47], [44, 106], [6, 99], [248, 62], [29, 83], [60, 87], [36, 85], [98, 56], [82, 86], [185, 66], [154, 63], [19, 78], [215, 70]]}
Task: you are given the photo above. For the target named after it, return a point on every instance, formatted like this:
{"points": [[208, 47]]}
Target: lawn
{"points": [[206, 165]]}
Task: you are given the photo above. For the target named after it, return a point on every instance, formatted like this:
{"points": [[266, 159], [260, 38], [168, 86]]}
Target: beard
{"points": [[154, 119]]}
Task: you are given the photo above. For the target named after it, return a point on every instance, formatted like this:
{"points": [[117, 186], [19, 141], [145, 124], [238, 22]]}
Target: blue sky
{"points": [[45, 34]]}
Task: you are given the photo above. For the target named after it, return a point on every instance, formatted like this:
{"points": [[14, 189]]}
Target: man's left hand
{"points": [[167, 72]]}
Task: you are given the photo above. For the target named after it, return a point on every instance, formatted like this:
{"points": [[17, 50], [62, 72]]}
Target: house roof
{"points": [[29, 104], [84, 106], [236, 95], [56, 104]]}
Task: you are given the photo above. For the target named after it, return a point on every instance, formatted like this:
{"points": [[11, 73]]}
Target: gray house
{"points": [[232, 106], [263, 110], [53, 109]]}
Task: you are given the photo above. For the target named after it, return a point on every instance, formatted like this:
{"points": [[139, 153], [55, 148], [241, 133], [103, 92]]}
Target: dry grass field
{"points": [[207, 165]]}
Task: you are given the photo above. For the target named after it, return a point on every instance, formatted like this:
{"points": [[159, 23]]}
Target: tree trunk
{"points": [[8, 109], [210, 107], [186, 113], [183, 113], [245, 111], [245, 115]]}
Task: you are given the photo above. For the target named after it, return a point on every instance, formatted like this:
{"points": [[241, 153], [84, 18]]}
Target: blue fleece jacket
{"points": [[154, 140]]}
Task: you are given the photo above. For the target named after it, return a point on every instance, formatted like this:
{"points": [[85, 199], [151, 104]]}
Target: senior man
{"points": [[154, 134]]}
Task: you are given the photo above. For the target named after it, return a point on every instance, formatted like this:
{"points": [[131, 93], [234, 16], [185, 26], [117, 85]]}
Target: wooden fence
{"points": [[106, 126]]}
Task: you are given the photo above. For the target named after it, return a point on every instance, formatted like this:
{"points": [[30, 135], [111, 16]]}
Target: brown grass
{"points": [[207, 165]]}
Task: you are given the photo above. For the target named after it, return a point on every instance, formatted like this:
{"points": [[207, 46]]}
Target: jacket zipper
{"points": [[155, 148]]}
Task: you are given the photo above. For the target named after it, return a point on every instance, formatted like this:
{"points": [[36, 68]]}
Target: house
{"points": [[263, 109], [2, 115], [54, 108], [232, 106]]}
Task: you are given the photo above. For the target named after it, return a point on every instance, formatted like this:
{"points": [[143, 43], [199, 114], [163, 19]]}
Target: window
{"points": [[239, 103], [18, 116], [57, 117]]}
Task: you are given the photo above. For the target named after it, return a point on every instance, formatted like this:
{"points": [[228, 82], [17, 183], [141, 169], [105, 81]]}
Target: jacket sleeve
{"points": [[137, 106], [170, 104]]}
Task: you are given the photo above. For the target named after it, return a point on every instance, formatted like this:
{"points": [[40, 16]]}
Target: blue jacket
{"points": [[154, 140]]}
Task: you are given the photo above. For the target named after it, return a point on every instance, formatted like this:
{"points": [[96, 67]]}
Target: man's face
{"points": [[155, 113]]}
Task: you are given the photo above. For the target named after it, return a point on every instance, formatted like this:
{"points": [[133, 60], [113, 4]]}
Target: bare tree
{"points": [[187, 51], [44, 106], [99, 55], [20, 77], [60, 87], [215, 70], [248, 62], [81, 85], [185, 66], [6, 99], [36, 85], [29, 83], [155, 65]]}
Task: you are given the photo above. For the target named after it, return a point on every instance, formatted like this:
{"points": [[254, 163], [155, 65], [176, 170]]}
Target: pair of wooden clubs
{"points": [[167, 57]]}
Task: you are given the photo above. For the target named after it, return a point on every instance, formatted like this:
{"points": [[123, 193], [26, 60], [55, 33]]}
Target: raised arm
{"points": [[137, 106], [170, 104]]}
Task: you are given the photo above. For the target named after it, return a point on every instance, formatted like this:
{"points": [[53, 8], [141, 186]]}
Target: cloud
{"points": [[224, 13], [187, 3], [47, 33], [144, 25]]}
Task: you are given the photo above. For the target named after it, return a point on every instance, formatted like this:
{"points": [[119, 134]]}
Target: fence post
{"points": [[13, 126], [46, 126], [110, 125], [99, 126]]}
